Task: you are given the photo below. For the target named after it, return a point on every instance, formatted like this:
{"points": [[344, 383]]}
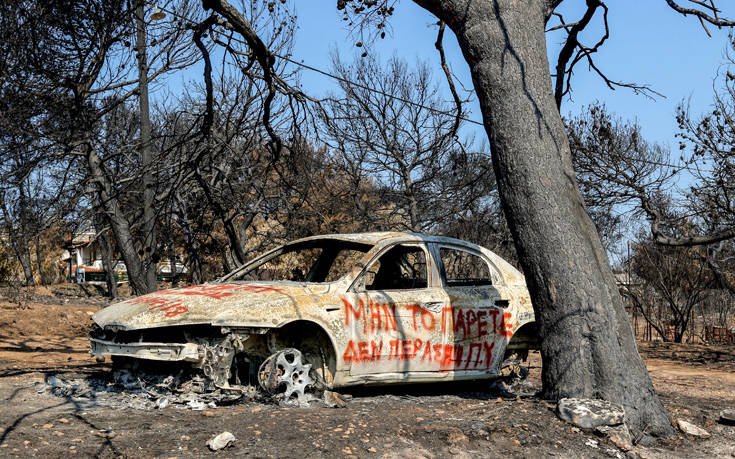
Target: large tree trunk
{"points": [[588, 348]]}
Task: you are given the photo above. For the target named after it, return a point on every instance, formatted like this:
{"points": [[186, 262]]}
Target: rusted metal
{"points": [[357, 335]]}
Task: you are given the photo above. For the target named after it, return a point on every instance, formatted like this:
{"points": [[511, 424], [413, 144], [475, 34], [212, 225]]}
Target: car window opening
{"points": [[400, 268], [320, 261], [464, 269]]}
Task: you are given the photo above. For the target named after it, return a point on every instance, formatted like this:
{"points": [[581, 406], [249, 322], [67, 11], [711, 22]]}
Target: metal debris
{"points": [[217, 360], [146, 392]]}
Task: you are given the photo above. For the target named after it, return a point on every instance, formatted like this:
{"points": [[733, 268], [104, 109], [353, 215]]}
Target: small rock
{"points": [[162, 403], [690, 429], [589, 413], [209, 414], [334, 400], [48, 426], [618, 436], [591, 442], [106, 434], [63, 420], [727, 417], [221, 441]]}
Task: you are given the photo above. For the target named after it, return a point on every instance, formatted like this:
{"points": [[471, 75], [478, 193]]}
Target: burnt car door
{"points": [[393, 314], [479, 313]]}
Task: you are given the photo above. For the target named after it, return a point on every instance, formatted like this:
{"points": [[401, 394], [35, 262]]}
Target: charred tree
{"points": [[588, 347]]}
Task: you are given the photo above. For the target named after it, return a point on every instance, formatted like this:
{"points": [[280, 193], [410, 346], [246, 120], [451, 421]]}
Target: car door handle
{"points": [[434, 306]]}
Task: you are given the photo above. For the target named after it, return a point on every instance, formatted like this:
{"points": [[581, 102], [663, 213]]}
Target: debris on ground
{"points": [[188, 389], [590, 413], [221, 441], [334, 399], [727, 417], [690, 429], [145, 392]]}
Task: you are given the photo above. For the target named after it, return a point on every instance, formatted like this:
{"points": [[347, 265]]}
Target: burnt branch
{"points": [[574, 51], [703, 15], [440, 47], [570, 45], [199, 30], [262, 54]]}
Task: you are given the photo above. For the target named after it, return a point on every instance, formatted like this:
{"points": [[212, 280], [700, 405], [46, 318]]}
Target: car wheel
{"points": [[286, 374]]}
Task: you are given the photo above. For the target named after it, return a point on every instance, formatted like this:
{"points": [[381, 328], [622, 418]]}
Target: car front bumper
{"points": [[173, 352]]}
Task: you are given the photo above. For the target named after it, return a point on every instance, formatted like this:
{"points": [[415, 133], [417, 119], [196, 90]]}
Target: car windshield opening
{"points": [[323, 260]]}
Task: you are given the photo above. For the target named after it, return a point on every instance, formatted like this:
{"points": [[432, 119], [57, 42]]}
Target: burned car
{"points": [[339, 310]]}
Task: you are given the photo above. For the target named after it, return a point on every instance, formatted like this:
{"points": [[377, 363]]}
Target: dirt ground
{"points": [[40, 340]]}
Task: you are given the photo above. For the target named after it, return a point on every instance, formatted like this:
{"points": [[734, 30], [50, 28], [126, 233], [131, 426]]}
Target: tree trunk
{"points": [[18, 242], [150, 256], [108, 265], [39, 259], [107, 257], [588, 347], [20, 247], [192, 246], [118, 223]]}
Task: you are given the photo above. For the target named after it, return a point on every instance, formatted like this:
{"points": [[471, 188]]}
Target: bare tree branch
{"points": [[703, 16], [440, 47], [263, 55]]}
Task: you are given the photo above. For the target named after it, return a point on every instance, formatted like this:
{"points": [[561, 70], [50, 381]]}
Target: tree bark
{"points": [[150, 256], [108, 265], [39, 259], [107, 254], [17, 241], [118, 223], [588, 347]]}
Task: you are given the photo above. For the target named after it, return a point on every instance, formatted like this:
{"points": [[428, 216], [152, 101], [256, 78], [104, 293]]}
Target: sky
{"points": [[649, 44]]}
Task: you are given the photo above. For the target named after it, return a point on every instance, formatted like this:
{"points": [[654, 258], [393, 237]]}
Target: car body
{"points": [[368, 308]]}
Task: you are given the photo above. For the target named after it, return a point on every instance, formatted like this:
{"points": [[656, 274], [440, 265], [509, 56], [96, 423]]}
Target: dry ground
{"points": [[38, 340]]}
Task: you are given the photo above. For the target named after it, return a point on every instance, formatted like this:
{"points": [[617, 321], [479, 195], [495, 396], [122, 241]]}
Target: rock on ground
{"points": [[691, 429], [618, 436], [589, 413], [221, 441]]}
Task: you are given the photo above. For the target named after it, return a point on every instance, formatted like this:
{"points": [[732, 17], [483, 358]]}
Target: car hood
{"points": [[243, 304]]}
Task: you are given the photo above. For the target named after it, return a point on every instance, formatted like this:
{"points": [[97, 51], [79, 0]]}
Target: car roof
{"points": [[386, 237]]}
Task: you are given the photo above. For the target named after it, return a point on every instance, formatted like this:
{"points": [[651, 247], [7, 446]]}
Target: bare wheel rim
{"points": [[285, 373]]}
